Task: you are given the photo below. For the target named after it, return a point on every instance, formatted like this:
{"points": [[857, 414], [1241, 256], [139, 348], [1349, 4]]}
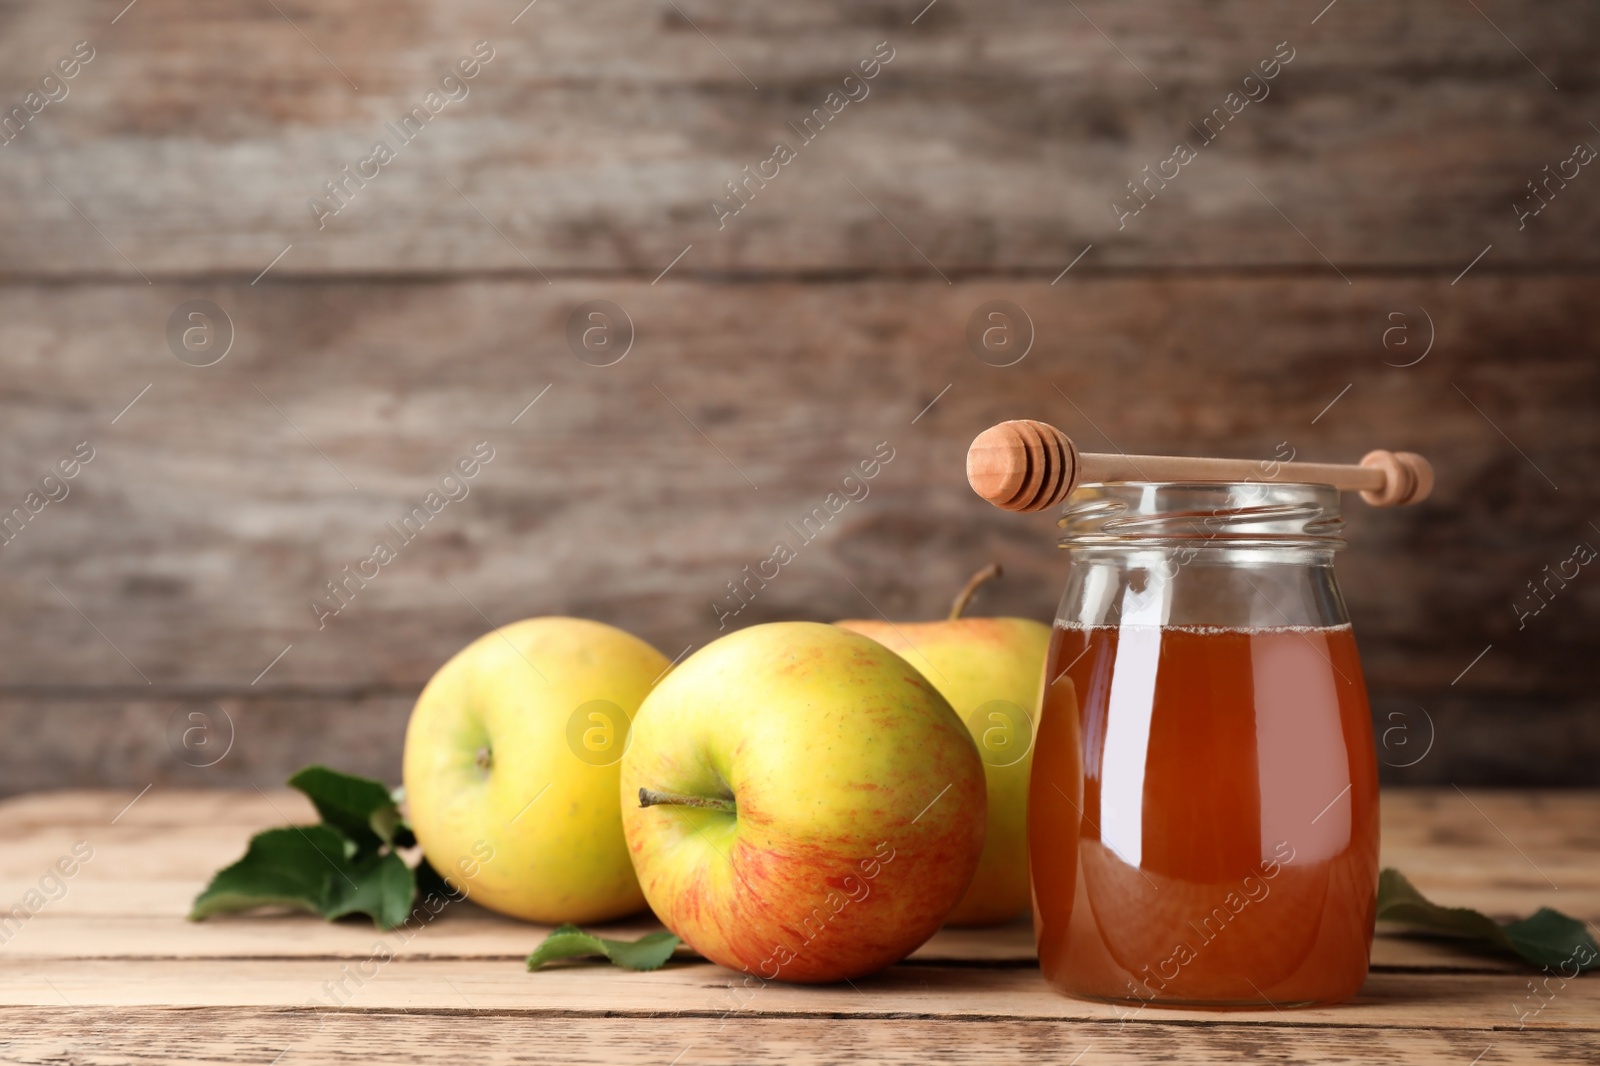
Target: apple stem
{"points": [[964, 597], [649, 797]]}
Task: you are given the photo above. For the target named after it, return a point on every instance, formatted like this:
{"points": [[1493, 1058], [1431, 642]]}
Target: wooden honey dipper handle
{"points": [[1029, 466]]}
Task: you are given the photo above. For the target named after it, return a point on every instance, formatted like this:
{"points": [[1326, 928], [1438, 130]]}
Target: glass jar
{"points": [[1203, 809]]}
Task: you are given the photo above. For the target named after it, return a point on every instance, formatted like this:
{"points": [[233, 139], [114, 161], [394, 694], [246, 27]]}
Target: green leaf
{"points": [[360, 808], [382, 888], [312, 868], [649, 952], [287, 867], [1549, 939]]}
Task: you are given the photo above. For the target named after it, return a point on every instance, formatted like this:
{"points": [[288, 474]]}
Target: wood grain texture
{"points": [[225, 499], [469, 933], [128, 901], [110, 972], [79, 738], [219, 1037], [1398, 138], [1390, 1001]]}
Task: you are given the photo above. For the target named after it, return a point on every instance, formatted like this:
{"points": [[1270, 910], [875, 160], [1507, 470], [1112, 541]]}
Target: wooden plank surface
{"points": [[957, 993], [224, 1038], [1398, 137], [220, 504], [111, 973], [1500, 852]]}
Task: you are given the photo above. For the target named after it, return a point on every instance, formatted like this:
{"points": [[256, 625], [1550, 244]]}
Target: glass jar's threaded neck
{"points": [[1213, 514]]}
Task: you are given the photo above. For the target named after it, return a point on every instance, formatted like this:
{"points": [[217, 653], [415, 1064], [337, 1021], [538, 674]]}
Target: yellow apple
{"points": [[801, 804], [512, 762], [991, 670]]}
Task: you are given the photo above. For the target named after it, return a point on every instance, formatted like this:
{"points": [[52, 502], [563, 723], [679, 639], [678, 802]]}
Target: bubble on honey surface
{"points": [[598, 732], [1003, 732]]}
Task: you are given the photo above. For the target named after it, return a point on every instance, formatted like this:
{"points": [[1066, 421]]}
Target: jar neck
{"points": [[1225, 554], [1216, 515]]}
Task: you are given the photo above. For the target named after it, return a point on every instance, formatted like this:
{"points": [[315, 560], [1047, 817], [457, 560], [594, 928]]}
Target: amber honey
{"points": [[1203, 815]]}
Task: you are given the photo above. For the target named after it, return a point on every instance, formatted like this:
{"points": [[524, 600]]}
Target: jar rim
{"points": [[1199, 514]]}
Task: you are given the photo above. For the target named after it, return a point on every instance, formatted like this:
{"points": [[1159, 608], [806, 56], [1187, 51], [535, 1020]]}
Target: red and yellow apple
{"points": [[991, 671], [801, 804], [511, 768]]}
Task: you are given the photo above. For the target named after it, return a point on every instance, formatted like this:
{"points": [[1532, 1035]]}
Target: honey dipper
{"points": [[1028, 466]]}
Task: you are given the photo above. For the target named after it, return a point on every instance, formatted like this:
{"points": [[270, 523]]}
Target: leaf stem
{"points": [[649, 797]]}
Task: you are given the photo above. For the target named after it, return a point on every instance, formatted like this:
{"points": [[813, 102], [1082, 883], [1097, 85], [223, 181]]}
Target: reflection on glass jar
{"points": [[1203, 816]]}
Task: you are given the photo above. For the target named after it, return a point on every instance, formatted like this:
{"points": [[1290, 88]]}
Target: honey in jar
{"points": [[1203, 809]]}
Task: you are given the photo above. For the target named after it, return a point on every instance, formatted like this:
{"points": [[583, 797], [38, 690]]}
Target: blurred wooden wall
{"points": [[1361, 214]]}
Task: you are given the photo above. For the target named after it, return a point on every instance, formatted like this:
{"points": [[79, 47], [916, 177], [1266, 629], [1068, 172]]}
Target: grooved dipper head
{"points": [[1022, 465]]}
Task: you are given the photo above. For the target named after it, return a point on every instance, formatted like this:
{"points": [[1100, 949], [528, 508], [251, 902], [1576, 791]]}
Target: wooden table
{"points": [[111, 972]]}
